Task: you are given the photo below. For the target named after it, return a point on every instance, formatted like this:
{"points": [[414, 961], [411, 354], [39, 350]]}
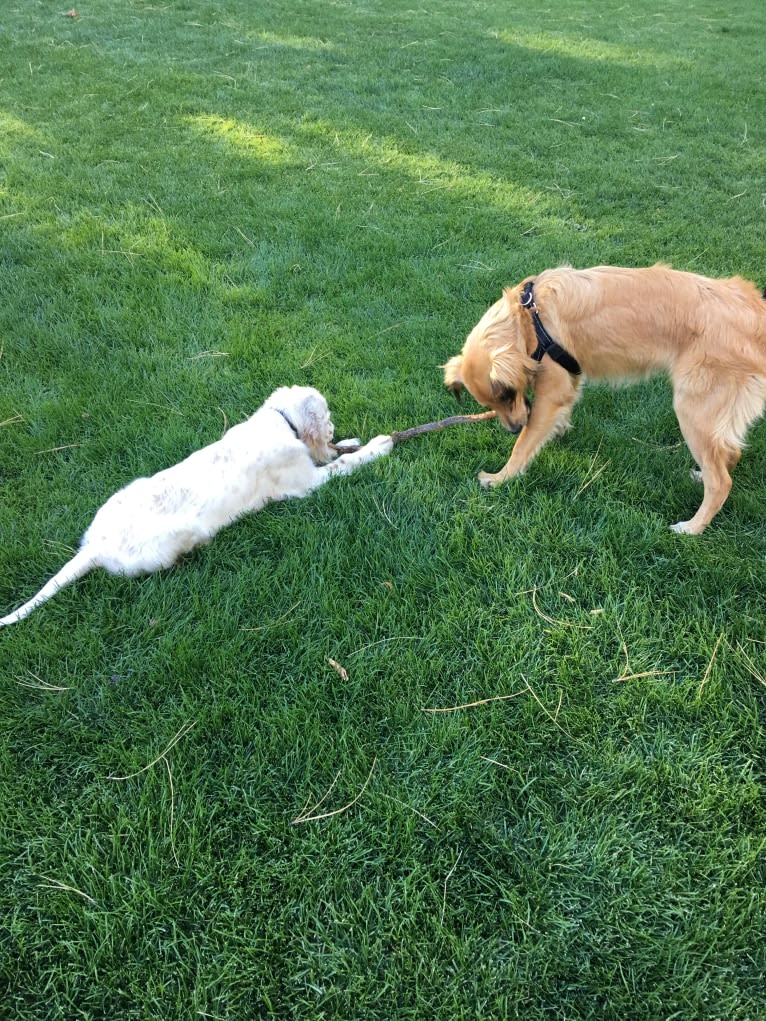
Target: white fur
{"points": [[153, 521]]}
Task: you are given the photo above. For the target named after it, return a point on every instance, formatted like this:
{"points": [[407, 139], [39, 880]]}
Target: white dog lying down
{"points": [[280, 451]]}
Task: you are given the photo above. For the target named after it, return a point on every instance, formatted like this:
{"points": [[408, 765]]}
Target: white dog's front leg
{"points": [[349, 446], [346, 463]]}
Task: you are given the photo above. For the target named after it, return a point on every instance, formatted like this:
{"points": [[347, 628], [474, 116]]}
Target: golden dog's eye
{"points": [[505, 394]]}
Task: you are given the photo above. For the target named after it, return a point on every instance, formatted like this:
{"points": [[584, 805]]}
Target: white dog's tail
{"points": [[80, 564]]}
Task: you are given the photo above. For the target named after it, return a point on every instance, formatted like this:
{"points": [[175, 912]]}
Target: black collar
{"points": [[286, 417], [546, 345]]}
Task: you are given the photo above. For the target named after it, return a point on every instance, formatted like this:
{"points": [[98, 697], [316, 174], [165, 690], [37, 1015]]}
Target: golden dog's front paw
{"points": [[687, 528], [489, 481]]}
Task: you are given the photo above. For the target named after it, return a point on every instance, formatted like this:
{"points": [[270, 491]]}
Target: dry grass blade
{"points": [[706, 675], [446, 880], [55, 450], [172, 810], [41, 686], [643, 673], [558, 707], [624, 644], [590, 478], [60, 547], [658, 446], [225, 421], [384, 641], [273, 623], [55, 884], [163, 758], [181, 734], [404, 804], [552, 620], [315, 356], [337, 667], [336, 811], [153, 404], [750, 666], [553, 719], [495, 762], [472, 705], [394, 326], [382, 512], [244, 236], [321, 801]]}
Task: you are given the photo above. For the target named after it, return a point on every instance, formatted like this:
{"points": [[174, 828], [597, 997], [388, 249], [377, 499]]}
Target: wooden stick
{"points": [[428, 427], [350, 447]]}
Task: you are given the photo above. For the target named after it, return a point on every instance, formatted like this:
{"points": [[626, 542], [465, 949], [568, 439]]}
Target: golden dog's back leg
{"points": [[555, 395], [714, 420], [714, 456]]}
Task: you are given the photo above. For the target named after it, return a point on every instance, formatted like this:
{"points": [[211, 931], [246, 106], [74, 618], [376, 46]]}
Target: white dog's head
{"points": [[306, 409]]}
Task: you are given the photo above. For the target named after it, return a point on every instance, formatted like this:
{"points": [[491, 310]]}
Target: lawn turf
{"points": [[200, 201]]}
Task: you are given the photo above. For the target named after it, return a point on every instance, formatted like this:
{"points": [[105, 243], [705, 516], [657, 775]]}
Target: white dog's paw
{"points": [[696, 475], [379, 446], [347, 446]]}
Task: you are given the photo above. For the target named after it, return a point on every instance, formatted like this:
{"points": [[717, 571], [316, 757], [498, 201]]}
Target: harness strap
{"points": [[546, 345], [287, 419]]}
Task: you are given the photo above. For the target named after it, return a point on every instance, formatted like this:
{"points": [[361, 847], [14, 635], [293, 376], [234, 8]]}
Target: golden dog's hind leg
{"points": [[717, 483], [715, 459], [731, 464], [555, 395]]}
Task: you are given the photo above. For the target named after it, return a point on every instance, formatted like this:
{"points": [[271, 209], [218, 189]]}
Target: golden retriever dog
{"points": [[528, 356]]}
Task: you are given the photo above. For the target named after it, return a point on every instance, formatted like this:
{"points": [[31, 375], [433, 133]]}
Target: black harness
{"points": [[546, 345]]}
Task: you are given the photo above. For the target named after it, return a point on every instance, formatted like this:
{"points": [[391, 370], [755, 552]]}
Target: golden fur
{"points": [[708, 336]]}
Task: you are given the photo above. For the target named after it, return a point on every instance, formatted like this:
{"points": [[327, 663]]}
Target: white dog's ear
{"points": [[311, 422], [453, 375], [313, 426]]}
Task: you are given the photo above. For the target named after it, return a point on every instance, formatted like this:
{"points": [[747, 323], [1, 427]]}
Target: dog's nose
{"points": [[511, 427]]}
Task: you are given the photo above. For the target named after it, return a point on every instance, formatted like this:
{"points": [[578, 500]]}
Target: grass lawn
{"points": [[532, 718]]}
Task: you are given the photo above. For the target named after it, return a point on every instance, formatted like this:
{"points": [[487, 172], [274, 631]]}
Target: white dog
{"points": [[280, 451]]}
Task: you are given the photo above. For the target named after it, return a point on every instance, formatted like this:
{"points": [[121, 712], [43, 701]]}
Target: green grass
{"points": [[202, 201]]}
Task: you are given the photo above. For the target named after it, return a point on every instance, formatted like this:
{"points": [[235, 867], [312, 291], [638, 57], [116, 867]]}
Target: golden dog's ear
{"points": [[511, 295], [505, 368], [453, 376]]}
